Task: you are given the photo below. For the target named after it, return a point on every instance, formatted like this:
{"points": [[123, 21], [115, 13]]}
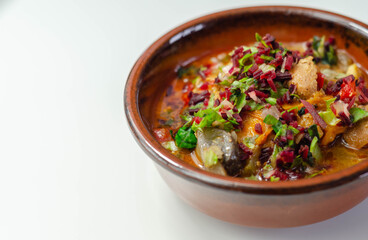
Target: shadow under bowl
{"points": [[240, 201]]}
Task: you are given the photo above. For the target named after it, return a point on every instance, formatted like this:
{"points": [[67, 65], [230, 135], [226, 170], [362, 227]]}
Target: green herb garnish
{"points": [[185, 138]]}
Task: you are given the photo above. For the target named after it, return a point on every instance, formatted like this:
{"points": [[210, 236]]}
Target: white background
{"points": [[69, 167]]}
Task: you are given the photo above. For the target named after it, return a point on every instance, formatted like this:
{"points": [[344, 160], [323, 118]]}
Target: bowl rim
{"points": [[164, 158]]}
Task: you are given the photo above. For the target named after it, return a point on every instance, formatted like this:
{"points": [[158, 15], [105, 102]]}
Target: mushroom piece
{"points": [[223, 150]]}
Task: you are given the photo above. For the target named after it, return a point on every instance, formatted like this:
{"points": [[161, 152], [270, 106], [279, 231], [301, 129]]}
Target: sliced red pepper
{"points": [[320, 80]]}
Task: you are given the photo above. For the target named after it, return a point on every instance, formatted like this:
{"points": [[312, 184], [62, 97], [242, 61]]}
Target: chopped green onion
{"points": [[315, 150], [258, 37], [267, 58], [245, 58], [271, 100], [358, 114], [313, 131], [225, 83], [293, 129], [270, 120]]}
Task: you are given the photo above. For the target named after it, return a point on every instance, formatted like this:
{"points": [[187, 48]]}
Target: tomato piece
{"points": [[347, 90], [197, 119]]}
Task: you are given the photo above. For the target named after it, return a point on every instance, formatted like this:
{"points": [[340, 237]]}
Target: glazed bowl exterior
{"points": [[240, 201]]}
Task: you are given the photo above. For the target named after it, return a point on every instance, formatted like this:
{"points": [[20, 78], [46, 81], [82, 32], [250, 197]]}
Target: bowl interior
{"points": [[223, 31]]}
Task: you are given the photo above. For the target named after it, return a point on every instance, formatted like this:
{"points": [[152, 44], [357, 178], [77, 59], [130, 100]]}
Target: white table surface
{"points": [[69, 167]]}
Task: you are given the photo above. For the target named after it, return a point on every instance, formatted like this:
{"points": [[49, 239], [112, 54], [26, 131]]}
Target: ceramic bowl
{"points": [[240, 201]]}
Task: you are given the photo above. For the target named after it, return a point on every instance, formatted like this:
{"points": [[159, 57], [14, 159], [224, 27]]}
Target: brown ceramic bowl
{"points": [[240, 201]]}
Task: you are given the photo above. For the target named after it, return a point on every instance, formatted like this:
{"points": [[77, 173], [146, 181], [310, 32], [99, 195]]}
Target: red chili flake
{"points": [[270, 75], [296, 55], [287, 117], [294, 124], [259, 60], [283, 139], [228, 93], [222, 95], [289, 134], [281, 175], [245, 151], [265, 154], [308, 52], [257, 74], [197, 119], [331, 40], [268, 38], [272, 84], [283, 76], [238, 54], [193, 111], [224, 116], [198, 97], [237, 118], [286, 156], [252, 69], [345, 118], [258, 128], [284, 99], [261, 94], [351, 103], [303, 151], [292, 88], [204, 86], [289, 62], [277, 61]]}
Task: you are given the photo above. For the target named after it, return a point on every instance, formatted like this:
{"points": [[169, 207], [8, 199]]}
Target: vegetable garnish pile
{"points": [[266, 112]]}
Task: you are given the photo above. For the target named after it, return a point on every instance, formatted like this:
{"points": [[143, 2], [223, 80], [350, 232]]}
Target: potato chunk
{"points": [[357, 136], [305, 77], [354, 70]]}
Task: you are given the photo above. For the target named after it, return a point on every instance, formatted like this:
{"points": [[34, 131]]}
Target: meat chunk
{"points": [[357, 136], [305, 77]]}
